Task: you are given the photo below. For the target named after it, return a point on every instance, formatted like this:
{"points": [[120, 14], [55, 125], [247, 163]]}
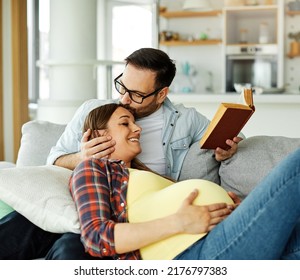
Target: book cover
{"points": [[227, 123]]}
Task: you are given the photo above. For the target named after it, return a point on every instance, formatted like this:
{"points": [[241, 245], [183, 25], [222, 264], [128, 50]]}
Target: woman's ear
{"points": [[162, 95]]}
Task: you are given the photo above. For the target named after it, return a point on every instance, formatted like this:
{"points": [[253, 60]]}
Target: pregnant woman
{"points": [[126, 211]]}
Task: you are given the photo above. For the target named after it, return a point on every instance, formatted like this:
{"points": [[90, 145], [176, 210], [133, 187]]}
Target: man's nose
{"points": [[125, 99]]}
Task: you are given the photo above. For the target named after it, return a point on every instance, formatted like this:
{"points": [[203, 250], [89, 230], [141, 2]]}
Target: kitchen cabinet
{"points": [[187, 40], [253, 46], [208, 57], [244, 24]]}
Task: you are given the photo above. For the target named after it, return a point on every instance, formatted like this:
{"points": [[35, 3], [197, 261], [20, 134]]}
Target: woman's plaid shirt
{"points": [[99, 189]]}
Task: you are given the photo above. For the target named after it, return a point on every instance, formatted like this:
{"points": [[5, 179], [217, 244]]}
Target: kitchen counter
{"points": [[275, 114], [278, 98]]}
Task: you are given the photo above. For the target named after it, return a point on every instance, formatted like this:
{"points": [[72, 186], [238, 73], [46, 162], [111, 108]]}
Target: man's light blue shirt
{"points": [[182, 127]]}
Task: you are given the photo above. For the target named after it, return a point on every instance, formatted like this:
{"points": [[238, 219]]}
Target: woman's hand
{"points": [[100, 146], [200, 219]]}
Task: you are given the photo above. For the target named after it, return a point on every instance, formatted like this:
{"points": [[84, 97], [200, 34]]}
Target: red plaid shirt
{"points": [[99, 189]]}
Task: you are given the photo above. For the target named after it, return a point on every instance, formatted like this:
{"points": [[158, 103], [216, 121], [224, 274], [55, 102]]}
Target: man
{"points": [[168, 132], [144, 85]]}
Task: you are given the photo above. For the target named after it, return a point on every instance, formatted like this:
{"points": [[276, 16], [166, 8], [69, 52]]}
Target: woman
{"points": [[264, 226]]}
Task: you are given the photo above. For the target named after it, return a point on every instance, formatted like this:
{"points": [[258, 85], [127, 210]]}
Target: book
{"points": [[227, 123]]}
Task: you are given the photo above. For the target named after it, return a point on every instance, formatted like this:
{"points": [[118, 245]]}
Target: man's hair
{"points": [[154, 60]]}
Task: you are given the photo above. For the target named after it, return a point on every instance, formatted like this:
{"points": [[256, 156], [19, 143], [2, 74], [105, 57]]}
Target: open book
{"points": [[227, 123]]}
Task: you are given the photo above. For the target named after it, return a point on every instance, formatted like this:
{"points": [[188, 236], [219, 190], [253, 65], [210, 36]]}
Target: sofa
{"points": [[41, 194]]}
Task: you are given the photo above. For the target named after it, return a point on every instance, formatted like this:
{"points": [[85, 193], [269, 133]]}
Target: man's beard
{"points": [[146, 111]]}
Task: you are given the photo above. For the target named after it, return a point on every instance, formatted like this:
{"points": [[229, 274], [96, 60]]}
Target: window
{"points": [[133, 25], [38, 23], [128, 25]]}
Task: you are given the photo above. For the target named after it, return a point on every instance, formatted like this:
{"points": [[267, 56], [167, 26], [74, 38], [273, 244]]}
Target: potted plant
{"points": [[295, 44]]}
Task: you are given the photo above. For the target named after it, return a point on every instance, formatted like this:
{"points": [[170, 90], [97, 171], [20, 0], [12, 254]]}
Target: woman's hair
{"points": [[98, 118], [154, 60]]}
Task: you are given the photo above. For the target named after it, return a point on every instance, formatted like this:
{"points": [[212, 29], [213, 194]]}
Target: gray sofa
{"points": [[241, 173]]}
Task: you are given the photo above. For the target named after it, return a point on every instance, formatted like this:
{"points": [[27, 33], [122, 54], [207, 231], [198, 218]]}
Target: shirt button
{"points": [[122, 204], [104, 251]]}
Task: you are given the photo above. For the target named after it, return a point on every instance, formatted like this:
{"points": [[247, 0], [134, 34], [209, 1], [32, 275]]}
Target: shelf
{"points": [[250, 44], [183, 14], [293, 13], [293, 55], [191, 43], [250, 8]]}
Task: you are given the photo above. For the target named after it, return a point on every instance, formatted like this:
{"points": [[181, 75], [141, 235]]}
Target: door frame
{"points": [[1, 88], [20, 69]]}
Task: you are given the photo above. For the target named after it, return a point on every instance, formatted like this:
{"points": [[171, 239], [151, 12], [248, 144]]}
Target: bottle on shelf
{"points": [[243, 36], [264, 37], [268, 2]]}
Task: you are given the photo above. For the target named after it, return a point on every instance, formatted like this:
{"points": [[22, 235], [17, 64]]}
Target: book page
{"points": [[246, 97]]}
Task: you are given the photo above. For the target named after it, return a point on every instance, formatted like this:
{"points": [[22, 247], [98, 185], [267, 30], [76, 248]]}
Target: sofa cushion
{"points": [[200, 164], [6, 164], [41, 194], [255, 157], [38, 137]]}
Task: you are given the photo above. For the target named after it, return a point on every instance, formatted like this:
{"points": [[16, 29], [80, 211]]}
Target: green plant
{"points": [[295, 36]]}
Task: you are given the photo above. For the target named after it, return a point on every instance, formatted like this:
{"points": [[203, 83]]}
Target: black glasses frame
{"points": [[131, 92]]}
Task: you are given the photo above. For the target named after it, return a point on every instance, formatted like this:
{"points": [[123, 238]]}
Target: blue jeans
{"points": [[69, 247], [22, 240], [265, 226]]}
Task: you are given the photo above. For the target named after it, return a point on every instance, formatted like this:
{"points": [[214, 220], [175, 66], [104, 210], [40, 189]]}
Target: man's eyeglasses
{"points": [[135, 96]]}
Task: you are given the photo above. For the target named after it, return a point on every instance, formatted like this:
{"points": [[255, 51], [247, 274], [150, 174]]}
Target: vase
{"points": [[295, 48]]}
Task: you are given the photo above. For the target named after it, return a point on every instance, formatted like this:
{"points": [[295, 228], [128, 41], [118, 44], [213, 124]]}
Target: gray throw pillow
{"points": [[255, 157], [200, 164], [38, 137]]}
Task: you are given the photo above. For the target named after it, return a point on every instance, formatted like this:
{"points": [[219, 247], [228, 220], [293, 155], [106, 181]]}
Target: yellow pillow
{"points": [[150, 196]]}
